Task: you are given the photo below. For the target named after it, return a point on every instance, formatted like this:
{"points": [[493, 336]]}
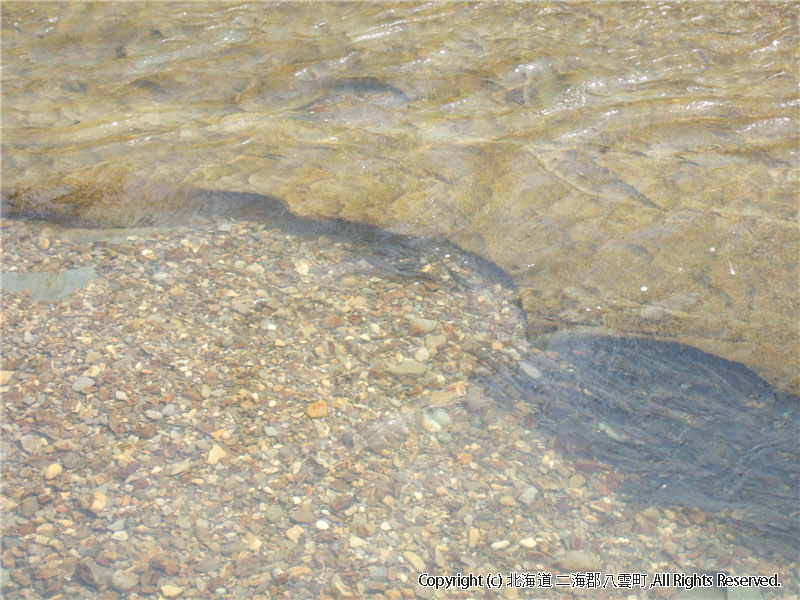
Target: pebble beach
{"points": [[224, 410]]}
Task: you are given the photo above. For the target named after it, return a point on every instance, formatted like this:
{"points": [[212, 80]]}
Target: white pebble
{"points": [[323, 525]]}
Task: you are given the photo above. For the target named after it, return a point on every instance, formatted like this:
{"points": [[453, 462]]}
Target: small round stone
{"points": [[53, 470]]}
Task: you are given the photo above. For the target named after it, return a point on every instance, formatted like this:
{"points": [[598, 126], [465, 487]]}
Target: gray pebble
{"points": [[168, 410], [240, 308], [31, 443], [30, 506], [124, 581], [153, 414], [530, 370], [117, 525], [273, 513], [528, 495], [408, 367], [81, 383], [301, 515], [70, 460], [160, 276], [183, 521]]}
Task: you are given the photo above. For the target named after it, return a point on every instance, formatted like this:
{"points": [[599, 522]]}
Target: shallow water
{"points": [[623, 169], [632, 166]]}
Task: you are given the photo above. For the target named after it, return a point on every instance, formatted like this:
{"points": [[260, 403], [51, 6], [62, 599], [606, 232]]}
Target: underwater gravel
{"points": [[228, 411]]}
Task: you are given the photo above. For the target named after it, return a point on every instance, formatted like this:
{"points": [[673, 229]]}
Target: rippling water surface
{"points": [[631, 165]]}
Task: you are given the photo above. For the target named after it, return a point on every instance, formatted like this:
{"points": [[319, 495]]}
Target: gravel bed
{"points": [[229, 411]]}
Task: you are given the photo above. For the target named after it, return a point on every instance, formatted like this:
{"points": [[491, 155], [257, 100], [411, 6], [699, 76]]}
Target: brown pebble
{"points": [[52, 471], [98, 502], [577, 560], [215, 454], [171, 591], [318, 409]]}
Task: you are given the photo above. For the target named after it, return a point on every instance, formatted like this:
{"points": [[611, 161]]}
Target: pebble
{"points": [[117, 525], [97, 502], [124, 581], [530, 370], [528, 495], [28, 337], [5, 377], [215, 454], [29, 506], [171, 591], [577, 560], [434, 342], [81, 383], [160, 276], [53, 470], [153, 414], [417, 325], [322, 524], [301, 515], [317, 410], [31, 443], [416, 562], [273, 513], [302, 267], [408, 367], [240, 308], [294, 533], [421, 354]]}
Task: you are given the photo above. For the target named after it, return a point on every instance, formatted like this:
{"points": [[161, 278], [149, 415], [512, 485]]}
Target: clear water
{"points": [[626, 168]]}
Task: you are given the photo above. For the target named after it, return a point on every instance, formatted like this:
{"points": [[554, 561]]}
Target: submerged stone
{"points": [[50, 286]]}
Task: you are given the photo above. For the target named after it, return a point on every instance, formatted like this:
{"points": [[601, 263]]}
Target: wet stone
{"points": [[124, 581], [81, 383], [301, 515], [29, 506], [408, 367], [273, 513], [434, 466], [528, 495]]}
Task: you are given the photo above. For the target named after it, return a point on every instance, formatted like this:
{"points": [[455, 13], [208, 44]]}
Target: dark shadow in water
{"points": [[396, 254], [683, 427]]}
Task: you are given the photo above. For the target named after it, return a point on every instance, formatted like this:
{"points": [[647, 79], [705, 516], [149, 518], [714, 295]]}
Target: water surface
{"points": [[632, 165]]}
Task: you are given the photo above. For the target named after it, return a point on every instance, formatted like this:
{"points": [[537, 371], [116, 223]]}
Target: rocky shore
{"points": [[222, 410]]}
